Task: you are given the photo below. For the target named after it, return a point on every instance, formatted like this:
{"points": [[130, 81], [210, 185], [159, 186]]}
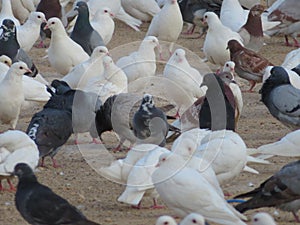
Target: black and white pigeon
{"points": [[218, 108], [51, 127], [83, 32], [281, 98], [10, 47], [150, 123], [282, 188], [38, 204]]}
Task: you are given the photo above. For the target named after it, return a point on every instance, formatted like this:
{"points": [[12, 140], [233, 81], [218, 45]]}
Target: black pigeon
{"points": [[51, 8], [218, 108], [10, 47], [150, 123], [281, 98], [83, 32], [283, 187], [39, 205]]}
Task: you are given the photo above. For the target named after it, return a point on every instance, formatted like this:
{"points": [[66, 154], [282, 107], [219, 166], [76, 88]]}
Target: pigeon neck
{"points": [[266, 89], [26, 180], [254, 25], [146, 50], [6, 8], [82, 23]]}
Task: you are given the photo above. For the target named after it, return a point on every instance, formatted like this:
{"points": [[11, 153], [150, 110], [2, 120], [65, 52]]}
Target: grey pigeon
{"points": [[10, 47], [38, 204], [281, 98], [282, 188], [150, 123], [83, 32]]}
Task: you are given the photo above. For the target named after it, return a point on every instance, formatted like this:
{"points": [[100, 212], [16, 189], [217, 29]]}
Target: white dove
{"points": [[11, 94], [16, 147], [179, 70], [190, 191], [141, 63], [143, 10], [217, 37], [90, 69], [167, 24], [114, 81], [63, 52], [29, 32], [104, 24], [193, 218], [5, 63], [163, 220], [262, 218], [7, 13]]}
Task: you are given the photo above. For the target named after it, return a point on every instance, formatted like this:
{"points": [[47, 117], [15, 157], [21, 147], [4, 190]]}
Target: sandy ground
{"points": [[96, 196]]}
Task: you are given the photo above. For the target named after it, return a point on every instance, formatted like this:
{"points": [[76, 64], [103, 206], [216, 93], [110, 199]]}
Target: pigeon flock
{"points": [[177, 130]]}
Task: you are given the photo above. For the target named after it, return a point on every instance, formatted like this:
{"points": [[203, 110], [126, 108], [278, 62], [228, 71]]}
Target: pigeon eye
{"points": [[105, 11], [255, 219], [39, 17], [205, 17], [53, 22], [166, 223], [227, 65], [194, 221], [21, 67]]}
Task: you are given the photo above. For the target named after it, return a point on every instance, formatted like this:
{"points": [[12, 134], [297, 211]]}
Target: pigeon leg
{"points": [[190, 29], [11, 186], [252, 84], [42, 162], [96, 141], [41, 45], [156, 206], [287, 43], [76, 139], [296, 43], [1, 187], [296, 217], [54, 163]]}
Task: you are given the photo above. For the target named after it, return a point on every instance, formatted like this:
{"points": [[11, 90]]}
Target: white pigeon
{"points": [[229, 67], [87, 70], [165, 220], [167, 24], [179, 70], [143, 10], [286, 146], [5, 63], [16, 147], [184, 190], [114, 81], [7, 13], [104, 24], [63, 52], [262, 218], [293, 76], [119, 170], [11, 94], [139, 179], [22, 8], [226, 151], [217, 37], [193, 218], [141, 63], [292, 59], [29, 32]]}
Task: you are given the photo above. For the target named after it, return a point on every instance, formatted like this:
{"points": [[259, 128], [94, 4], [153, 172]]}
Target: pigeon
{"points": [[22, 8], [292, 59], [51, 127], [11, 92], [7, 13], [10, 47], [88, 70], [276, 88], [115, 81], [167, 24], [29, 32], [262, 218], [141, 63], [104, 24], [279, 189], [216, 40], [252, 32], [83, 32], [179, 71], [163, 220], [16, 147], [63, 52], [5, 63], [248, 64], [142, 10], [139, 179], [196, 193], [50, 8], [286, 13], [218, 108], [150, 123], [38, 204]]}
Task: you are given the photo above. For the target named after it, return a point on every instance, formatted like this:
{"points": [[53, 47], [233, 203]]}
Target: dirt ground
{"points": [[97, 197]]}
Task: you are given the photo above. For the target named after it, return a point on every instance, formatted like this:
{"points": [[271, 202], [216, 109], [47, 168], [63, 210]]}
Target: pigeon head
{"points": [[165, 220], [209, 18], [99, 52], [38, 17], [107, 11], [257, 10], [60, 86], [53, 23], [262, 218], [179, 55], [194, 218], [6, 60], [279, 76], [147, 101], [8, 25], [234, 46], [81, 7], [152, 40], [226, 77], [23, 170], [20, 68], [229, 67]]}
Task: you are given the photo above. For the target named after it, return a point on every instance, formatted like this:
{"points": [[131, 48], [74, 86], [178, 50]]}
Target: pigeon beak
{"points": [[28, 70], [112, 15], [46, 27], [44, 21]]}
